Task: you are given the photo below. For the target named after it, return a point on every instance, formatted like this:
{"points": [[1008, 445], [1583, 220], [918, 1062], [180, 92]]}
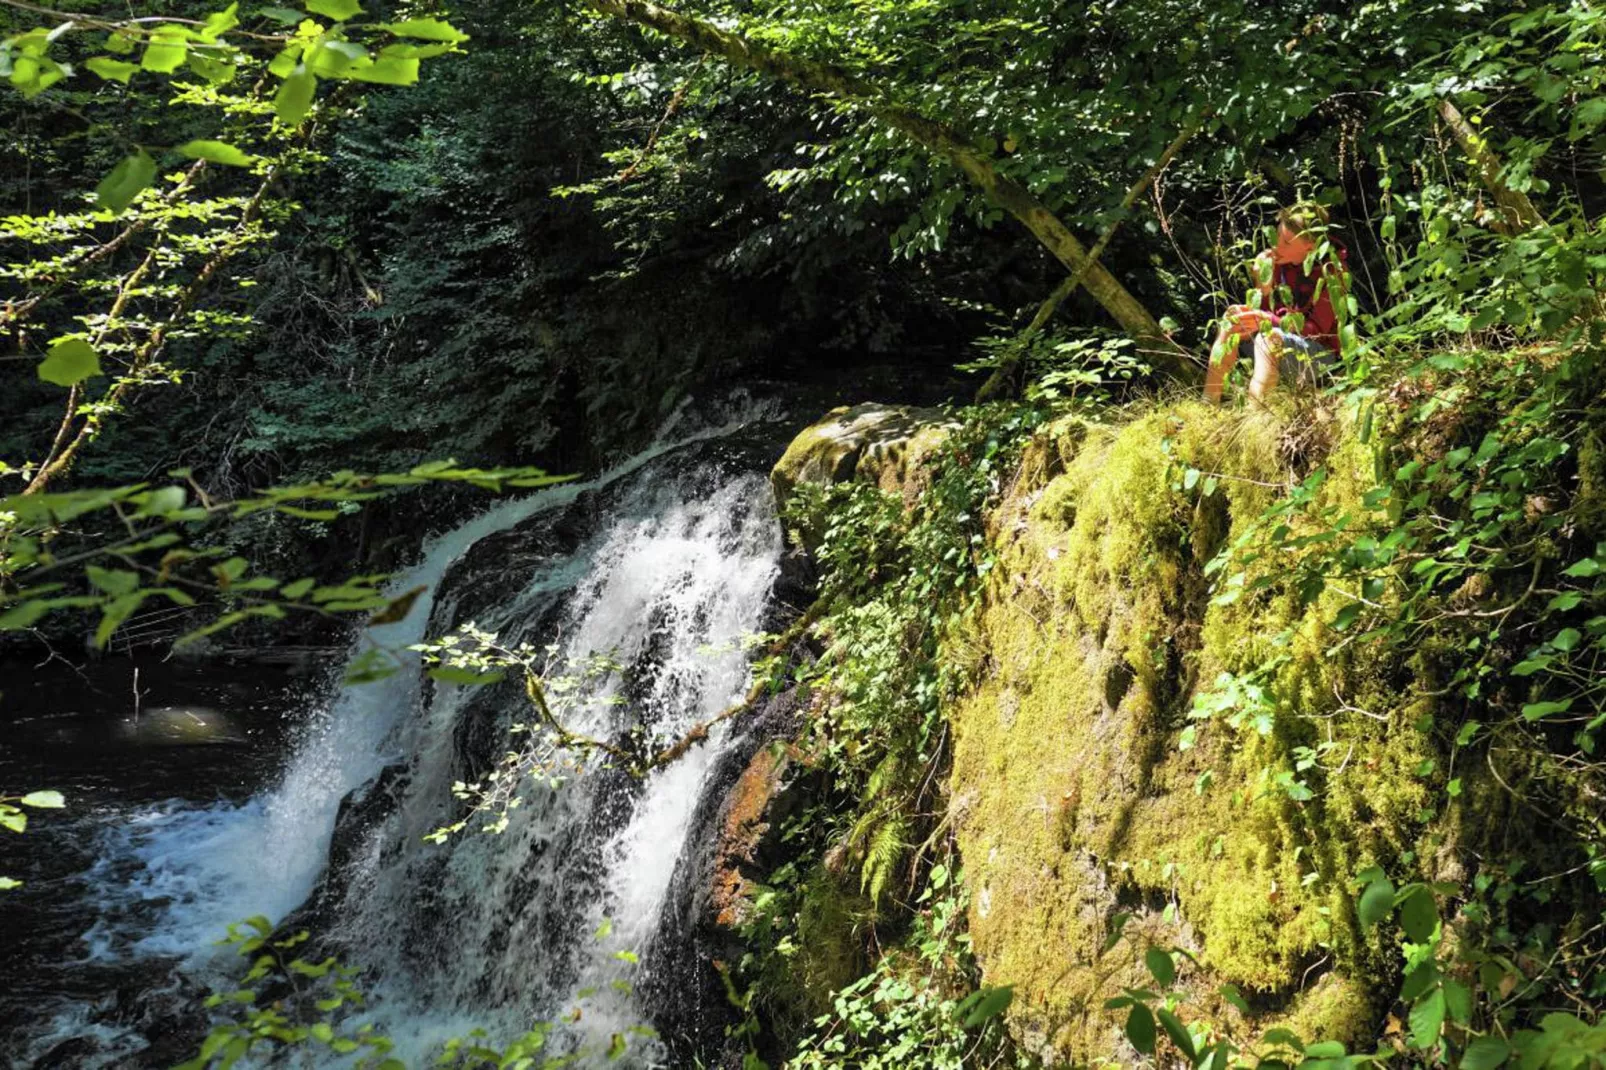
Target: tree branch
{"points": [[997, 382], [971, 159]]}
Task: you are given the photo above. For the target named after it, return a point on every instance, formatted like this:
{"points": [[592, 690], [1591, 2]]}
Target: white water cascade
{"points": [[489, 930], [667, 569]]}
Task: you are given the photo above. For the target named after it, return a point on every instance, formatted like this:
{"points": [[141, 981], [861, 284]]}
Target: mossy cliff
{"points": [[1145, 756], [1071, 798]]}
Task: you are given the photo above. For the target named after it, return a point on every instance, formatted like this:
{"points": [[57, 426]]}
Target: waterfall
{"points": [[664, 565], [488, 930]]}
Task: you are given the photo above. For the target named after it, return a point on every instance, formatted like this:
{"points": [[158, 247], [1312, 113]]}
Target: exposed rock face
{"points": [[746, 796]]}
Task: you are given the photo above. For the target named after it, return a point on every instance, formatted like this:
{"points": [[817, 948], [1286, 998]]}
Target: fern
{"points": [[883, 854]]}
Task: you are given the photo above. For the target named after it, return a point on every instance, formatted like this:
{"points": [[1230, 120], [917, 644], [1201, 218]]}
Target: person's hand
{"points": [[1248, 321]]}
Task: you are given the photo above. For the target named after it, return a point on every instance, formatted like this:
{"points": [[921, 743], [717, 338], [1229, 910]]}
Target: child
{"points": [[1300, 337]]}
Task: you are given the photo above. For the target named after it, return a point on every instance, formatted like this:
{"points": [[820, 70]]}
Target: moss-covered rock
{"points": [[1076, 796], [888, 446]]}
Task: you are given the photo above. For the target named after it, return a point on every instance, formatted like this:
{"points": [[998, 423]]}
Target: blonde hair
{"points": [[1303, 218]]}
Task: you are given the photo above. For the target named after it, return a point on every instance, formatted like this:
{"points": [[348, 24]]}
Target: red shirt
{"points": [[1321, 322]]}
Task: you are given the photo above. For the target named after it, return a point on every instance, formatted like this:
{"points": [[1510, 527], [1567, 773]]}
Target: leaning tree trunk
{"points": [[1517, 212], [971, 159]]}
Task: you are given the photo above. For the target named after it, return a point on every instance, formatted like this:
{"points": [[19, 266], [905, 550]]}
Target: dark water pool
{"points": [[135, 746]]}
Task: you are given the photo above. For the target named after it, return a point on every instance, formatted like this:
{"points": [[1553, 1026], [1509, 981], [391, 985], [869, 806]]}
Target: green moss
{"points": [[827, 955], [1072, 798]]}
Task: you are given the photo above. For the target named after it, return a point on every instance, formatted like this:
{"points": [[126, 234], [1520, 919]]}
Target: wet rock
{"points": [[745, 796], [361, 811]]}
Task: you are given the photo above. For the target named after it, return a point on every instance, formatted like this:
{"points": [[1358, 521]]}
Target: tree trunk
{"points": [[1517, 212], [973, 161]]}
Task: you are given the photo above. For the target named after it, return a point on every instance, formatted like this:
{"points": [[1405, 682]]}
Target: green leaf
{"points": [[1161, 965], [166, 51], [69, 362], [1457, 1001], [217, 152], [126, 181], [1140, 1028], [1284, 1037], [466, 677], [1535, 711], [1325, 1049], [294, 98], [1346, 616], [1231, 994], [295, 590], [1566, 640], [425, 30], [386, 70], [1419, 916], [1117, 929], [220, 22], [113, 70], [23, 615], [13, 819], [44, 800], [1485, 1053], [1427, 1018], [113, 581], [1178, 1033], [992, 1003], [339, 10], [1376, 902], [1583, 569], [8, 883]]}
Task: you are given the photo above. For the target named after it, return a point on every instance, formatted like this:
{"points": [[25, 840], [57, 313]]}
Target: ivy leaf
{"points": [[118, 189], [113, 70], [217, 152], [1583, 569], [69, 363], [1140, 1028], [339, 10], [294, 98], [44, 800]]}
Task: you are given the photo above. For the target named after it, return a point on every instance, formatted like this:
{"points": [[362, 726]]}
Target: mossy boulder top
{"points": [[886, 445]]}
